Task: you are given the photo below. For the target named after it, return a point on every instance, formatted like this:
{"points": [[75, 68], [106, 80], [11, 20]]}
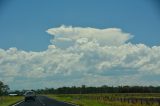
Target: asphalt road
{"points": [[43, 101]]}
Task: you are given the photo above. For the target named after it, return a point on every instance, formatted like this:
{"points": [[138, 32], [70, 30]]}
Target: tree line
{"points": [[103, 89], [4, 89]]}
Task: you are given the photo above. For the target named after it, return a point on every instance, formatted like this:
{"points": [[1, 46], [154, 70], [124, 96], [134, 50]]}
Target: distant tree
{"points": [[3, 88], [103, 89]]}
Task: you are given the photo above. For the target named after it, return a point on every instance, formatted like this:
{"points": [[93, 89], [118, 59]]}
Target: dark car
{"points": [[30, 95]]}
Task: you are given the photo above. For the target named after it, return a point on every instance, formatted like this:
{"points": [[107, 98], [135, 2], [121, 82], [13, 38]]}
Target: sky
{"points": [[54, 43]]}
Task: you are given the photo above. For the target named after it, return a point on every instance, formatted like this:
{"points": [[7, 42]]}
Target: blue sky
{"points": [[23, 22], [54, 43]]}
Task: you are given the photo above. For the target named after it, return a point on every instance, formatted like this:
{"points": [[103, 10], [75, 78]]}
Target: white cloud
{"points": [[88, 60], [109, 36]]}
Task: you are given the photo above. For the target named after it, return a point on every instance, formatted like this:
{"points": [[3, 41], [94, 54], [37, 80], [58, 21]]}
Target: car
{"points": [[30, 95]]}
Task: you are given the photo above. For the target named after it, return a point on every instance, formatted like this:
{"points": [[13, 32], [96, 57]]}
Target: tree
{"points": [[3, 88]]}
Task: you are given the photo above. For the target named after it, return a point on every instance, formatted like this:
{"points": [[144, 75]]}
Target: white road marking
{"points": [[18, 103]]}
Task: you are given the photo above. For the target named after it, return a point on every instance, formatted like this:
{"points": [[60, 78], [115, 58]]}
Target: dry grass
{"points": [[102, 99]]}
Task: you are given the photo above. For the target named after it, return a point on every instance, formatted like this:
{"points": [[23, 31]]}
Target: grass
{"points": [[8, 100], [76, 100], [100, 99]]}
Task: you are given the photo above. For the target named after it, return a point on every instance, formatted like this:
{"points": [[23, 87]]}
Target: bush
{"points": [[3, 89]]}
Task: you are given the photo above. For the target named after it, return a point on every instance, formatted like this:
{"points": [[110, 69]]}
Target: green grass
{"points": [[8, 100], [76, 100], [100, 99]]}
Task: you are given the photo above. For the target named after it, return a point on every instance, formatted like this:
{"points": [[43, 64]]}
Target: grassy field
{"points": [[8, 100], [109, 99]]}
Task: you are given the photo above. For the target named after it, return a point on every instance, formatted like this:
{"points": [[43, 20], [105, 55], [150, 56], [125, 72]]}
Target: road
{"points": [[42, 101]]}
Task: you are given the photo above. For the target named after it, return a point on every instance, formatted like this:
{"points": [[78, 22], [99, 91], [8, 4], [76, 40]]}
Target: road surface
{"points": [[43, 101]]}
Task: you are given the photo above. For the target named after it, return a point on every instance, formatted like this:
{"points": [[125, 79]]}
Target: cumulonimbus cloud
{"points": [[108, 36], [92, 57]]}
